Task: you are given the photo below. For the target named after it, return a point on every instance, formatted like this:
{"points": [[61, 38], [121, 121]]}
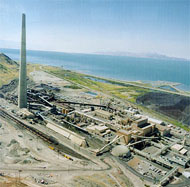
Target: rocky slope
{"points": [[8, 69], [174, 106], [5, 59]]}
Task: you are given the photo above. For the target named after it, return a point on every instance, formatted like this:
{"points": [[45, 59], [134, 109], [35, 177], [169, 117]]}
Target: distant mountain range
{"points": [[141, 55]]}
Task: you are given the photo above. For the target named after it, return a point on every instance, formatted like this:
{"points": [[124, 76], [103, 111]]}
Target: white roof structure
{"points": [[58, 129], [75, 138], [101, 128], [138, 115], [26, 112], [186, 174], [156, 121], [177, 147], [91, 127], [170, 125], [183, 151]]}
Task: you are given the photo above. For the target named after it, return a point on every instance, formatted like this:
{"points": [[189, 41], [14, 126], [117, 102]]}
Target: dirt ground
{"points": [[11, 182], [26, 160], [43, 77], [134, 162]]}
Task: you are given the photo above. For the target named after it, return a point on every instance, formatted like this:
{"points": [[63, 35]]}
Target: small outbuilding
{"points": [[177, 147]]}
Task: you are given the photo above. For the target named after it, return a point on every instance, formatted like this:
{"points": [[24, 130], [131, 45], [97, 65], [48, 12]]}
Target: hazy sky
{"points": [[140, 26]]}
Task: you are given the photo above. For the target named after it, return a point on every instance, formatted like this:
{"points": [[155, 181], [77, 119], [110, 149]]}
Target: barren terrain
{"points": [[26, 160]]}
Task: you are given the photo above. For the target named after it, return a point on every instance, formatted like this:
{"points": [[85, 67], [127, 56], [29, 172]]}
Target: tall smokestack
{"points": [[22, 92]]}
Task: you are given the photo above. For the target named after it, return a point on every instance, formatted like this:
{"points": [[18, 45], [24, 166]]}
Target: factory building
{"points": [[187, 140], [103, 114], [147, 125], [147, 129], [140, 121], [131, 111], [164, 130], [101, 130], [140, 127], [179, 149], [155, 121], [75, 138], [126, 136], [24, 113], [143, 126]]}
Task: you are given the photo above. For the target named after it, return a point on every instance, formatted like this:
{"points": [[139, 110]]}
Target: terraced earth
{"points": [[174, 106]]}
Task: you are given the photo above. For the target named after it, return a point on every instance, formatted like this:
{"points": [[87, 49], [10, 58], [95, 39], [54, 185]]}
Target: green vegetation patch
{"points": [[3, 68], [72, 87], [115, 88]]}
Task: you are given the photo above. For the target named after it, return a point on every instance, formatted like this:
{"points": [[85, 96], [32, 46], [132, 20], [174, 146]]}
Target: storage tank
{"points": [[121, 150]]}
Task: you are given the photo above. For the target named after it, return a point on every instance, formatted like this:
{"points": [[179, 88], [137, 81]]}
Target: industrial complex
{"points": [[80, 125]]}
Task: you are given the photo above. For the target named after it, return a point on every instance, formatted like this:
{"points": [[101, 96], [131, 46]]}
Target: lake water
{"points": [[115, 67]]}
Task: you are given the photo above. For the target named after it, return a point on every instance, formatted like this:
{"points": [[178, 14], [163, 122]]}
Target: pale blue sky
{"points": [[140, 26]]}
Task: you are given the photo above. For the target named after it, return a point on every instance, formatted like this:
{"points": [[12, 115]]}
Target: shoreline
{"points": [[162, 83], [138, 83], [83, 63]]}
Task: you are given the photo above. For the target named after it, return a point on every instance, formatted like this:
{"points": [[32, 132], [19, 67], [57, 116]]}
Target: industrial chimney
{"points": [[22, 92]]}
